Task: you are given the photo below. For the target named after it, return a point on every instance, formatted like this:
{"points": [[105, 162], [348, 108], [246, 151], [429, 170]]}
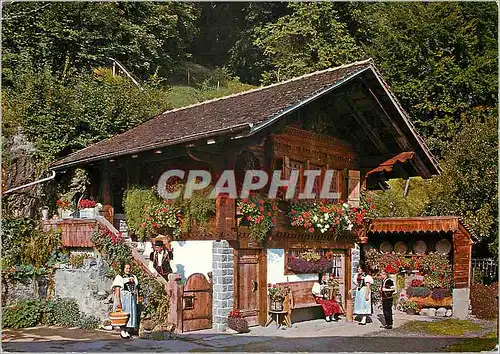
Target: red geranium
{"points": [[87, 203]]}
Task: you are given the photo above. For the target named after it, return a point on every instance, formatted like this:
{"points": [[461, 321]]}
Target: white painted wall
{"points": [[276, 268], [189, 257]]}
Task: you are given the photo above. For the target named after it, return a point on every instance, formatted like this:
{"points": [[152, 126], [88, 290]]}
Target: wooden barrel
{"points": [[118, 318]]}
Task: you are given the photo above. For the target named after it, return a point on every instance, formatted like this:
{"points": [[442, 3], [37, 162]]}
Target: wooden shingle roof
{"points": [[240, 114]]}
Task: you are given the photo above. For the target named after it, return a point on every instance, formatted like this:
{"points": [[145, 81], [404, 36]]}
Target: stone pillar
{"points": [[461, 303], [222, 277]]}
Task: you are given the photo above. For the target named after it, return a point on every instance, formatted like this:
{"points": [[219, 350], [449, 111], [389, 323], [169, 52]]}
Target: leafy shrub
{"points": [[76, 260], [377, 284], [440, 293], [88, 321], [62, 312], [484, 300], [433, 282], [136, 202], [23, 314], [418, 291]]}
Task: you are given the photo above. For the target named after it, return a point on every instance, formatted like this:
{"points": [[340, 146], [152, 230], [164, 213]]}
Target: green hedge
{"points": [[61, 312]]}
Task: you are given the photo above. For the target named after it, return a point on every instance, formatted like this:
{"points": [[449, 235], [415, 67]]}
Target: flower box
{"points": [[65, 214], [430, 302], [88, 213], [238, 324], [302, 266]]}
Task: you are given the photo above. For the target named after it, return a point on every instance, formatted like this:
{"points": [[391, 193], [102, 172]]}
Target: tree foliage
{"points": [[393, 203], [147, 37], [441, 59], [468, 185], [311, 38], [66, 112]]}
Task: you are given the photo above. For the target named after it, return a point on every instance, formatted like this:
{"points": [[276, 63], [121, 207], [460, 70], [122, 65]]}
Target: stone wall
{"points": [[223, 291], [88, 285], [15, 291]]}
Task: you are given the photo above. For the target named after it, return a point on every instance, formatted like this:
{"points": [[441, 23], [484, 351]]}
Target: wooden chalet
{"points": [[344, 118]]}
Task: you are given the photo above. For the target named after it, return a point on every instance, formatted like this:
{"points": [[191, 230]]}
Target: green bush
{"points": [[137, 202], [88, 321], [23, 314], [418, 291], [484, 300], [62, 312], [76, 260]]}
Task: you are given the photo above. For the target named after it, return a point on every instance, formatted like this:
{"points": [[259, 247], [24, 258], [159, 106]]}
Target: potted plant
{"points": [[236, 322], [277, 296], [410, 307], [87, 208], [63, 206]]}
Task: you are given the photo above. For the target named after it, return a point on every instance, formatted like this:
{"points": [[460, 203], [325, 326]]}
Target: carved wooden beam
{"points": [[367, 128], [401, 138]]}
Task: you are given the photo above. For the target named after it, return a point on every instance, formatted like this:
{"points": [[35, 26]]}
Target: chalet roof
{"points": [[420, 225], [239, 114]]}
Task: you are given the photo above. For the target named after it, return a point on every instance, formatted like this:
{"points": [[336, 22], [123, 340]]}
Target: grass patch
{"points": [[484, 343], [451, 327]]}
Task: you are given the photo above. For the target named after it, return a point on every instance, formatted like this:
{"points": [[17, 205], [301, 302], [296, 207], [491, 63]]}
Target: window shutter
{"points": [[285, 168], [354, 188]]}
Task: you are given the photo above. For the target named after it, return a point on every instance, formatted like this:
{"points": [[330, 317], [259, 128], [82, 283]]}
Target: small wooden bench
{"points": [[300, 297]]}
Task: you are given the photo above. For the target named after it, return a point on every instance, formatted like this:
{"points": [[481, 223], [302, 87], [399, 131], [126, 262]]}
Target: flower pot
{"points": [[239, 325], [65, 213], [88, 213], [411, 312], [276, 305]]}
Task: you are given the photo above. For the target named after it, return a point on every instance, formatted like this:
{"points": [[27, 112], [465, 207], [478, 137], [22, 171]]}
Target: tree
{"points": [[64, 112], [441, 59], [468, 185], [311, 38], [393, 203], [146, 37]]}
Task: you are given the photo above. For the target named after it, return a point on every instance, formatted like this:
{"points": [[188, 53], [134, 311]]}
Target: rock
{"points": [[424, 312], [431, 312], [158, 328], [108, 328], [89, 262], [170, 327], [449, 312], [441, 312], [145, 334], [101, 293], [148, 325]]}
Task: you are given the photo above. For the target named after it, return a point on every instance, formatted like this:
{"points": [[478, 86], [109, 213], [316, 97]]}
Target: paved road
{"points": [[311, 336]]}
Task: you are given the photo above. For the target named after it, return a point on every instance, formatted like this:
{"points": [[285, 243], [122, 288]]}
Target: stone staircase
{"points": [[141, 259]]}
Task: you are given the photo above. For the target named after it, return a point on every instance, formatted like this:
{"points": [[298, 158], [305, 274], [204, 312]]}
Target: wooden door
{"points": [[196, 303], [250, 285]]}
